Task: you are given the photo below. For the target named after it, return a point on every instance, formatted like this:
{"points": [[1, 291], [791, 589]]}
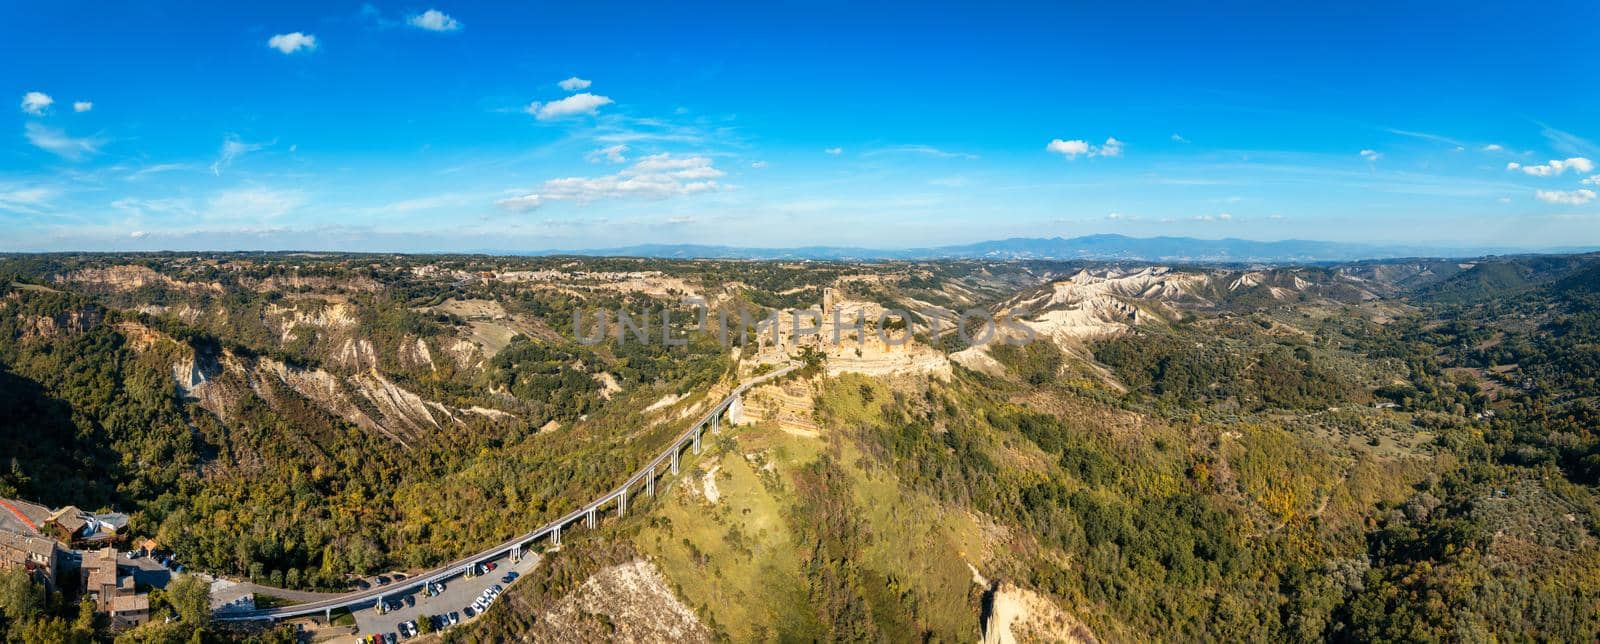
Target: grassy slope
{"points": [[742, 562]]}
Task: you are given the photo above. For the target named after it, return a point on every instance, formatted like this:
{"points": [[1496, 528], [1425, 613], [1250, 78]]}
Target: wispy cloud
{"points": [[924, 150], [1428, 136], [657, 176], [574, 84], [1565, 197], [60, 144], [82, 106], [253, 204], [611, 153], [233, 148], [1371, 155], [27, 201], [156, 169], [1569, 143]]}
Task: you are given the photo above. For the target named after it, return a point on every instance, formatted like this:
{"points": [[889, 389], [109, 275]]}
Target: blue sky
{"points": [[477, 126]]}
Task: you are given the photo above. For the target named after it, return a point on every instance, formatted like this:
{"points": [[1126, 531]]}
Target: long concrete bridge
{"points": [[664, 464]]}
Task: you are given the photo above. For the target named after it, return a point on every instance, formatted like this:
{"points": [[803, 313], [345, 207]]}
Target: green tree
{"points": [[190, 597], [20, 598]]}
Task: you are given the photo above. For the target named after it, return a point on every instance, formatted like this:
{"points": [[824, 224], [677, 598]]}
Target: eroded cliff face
{"points": [[366, 398], [631, 602]]}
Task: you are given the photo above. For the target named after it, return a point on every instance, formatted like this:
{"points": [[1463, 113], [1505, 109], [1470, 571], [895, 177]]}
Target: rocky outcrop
{"points": [[1020, 615], [68, 323], [131, 277], [631, 602]]}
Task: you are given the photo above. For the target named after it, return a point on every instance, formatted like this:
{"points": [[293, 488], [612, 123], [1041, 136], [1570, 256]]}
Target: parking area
{"points": [[459, 593]]}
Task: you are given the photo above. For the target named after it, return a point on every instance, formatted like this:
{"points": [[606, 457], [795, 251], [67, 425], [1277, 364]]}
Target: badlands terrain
{"points": [[1005, 451]]}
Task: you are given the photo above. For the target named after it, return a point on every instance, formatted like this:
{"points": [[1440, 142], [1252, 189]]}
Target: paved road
{"points": [[636, 483], [459, 593]]}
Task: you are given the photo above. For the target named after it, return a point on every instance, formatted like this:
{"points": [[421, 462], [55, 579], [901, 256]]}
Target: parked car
{"points": [[362, 584], [455, 618], [411, 601], [509, 577], [489, 566], [382, 580], [468, 610]]}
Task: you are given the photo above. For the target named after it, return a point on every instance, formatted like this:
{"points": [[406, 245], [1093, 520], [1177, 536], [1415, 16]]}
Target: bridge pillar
{"points": [[622, 502], [697, 432], [650, 482], [675, 458], [516, 552], [327, 616], [590, 519], [555, 535], [716, 423]]}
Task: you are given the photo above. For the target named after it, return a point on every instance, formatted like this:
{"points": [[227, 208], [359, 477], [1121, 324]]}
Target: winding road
{"points": [[646, 476]]}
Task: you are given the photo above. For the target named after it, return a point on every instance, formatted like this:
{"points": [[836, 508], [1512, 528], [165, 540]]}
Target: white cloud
{"points": [[1565, 197], [1115, 215], [658, 176], [612, 153], [233, 148], [57, 142], [1592, 181], [1078, 147], [758, 164], [1225, 217], [834, 151], [82, 106], [574, 84], [36, 103], [1071, 149], [584, 103], [1371, 155], [292, 42], [434, 20], [1492, 147], [1177, 138], [1555, 167]]}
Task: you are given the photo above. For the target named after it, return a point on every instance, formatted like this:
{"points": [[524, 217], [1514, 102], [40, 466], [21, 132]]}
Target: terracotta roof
{"points": [[70, 518], [130, 603]]}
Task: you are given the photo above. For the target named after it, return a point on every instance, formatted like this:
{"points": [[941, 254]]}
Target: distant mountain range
{"points": [[1095, 247]]}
